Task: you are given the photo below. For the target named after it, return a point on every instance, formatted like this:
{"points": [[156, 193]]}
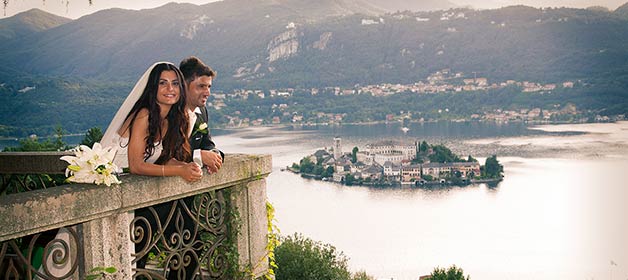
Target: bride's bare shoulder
{"points": [[141, 116]]}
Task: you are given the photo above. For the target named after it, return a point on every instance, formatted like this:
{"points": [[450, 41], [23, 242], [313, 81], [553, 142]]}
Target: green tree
{"points": [[307, 166], [452, 273], [92, 136], [362, 275], [318, 170], [471, 159], [423, 147], [299, 257], [349, 179], [33, 144], [443, 154], [354, 155], [328, 172], [492, 168]]}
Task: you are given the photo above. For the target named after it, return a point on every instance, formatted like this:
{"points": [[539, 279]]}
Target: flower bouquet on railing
{"points": [[94, 166]]}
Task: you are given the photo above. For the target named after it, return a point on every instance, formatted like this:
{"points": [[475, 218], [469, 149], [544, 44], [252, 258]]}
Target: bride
{"points": [[150, 130]]}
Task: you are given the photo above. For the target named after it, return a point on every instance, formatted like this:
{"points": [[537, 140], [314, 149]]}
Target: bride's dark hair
{"points": [[175, 142]]}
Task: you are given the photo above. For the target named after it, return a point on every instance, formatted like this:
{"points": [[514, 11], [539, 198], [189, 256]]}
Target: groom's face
{"points": [[198, 91]]}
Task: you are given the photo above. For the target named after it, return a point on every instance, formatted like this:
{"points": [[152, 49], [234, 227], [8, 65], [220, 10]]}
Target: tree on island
{"points": [[452, 273], [423, 147], [354, 155], [306, 165], [492, 168], [328, 172], [349, 179], [443, 154]]}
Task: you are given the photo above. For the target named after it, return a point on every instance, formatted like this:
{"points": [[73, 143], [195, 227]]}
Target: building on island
{"points": [[410, 172], [437, 170], [392, 151], [337, 147], [389, 161]]}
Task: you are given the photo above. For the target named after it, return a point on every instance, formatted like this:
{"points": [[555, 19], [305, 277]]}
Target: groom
{"points": [[198, 78]]}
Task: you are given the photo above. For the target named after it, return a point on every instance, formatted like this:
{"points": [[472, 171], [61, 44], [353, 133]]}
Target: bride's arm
{"points": [[137, 145]]}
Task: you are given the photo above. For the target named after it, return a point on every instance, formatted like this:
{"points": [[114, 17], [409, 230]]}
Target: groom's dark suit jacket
{"points": [[203, 141]]}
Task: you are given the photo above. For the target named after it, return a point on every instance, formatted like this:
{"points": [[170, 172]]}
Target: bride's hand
{"points": [[191, 172]]}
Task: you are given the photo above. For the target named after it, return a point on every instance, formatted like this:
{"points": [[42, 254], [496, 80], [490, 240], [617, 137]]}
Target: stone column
{"points": [[107, 243], [252, 239]]}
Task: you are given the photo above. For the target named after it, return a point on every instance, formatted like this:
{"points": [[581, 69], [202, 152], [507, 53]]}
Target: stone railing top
{"points": [[33, 162], [35, 211]]}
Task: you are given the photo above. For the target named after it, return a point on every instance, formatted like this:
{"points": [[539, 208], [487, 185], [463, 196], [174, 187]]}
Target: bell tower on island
{"points": [[337, 147]]}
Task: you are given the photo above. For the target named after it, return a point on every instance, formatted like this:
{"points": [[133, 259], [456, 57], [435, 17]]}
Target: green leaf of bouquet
{"points": [[111, 270], [74, 168]]}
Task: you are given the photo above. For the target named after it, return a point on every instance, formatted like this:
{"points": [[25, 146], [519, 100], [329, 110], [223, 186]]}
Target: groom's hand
{"points": [[212, 160]]}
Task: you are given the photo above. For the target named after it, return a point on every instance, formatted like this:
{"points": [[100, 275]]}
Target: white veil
{"points": [[111, 138]]}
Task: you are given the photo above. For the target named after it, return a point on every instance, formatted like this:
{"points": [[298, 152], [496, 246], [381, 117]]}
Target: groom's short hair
{"points": [[192, 68]]}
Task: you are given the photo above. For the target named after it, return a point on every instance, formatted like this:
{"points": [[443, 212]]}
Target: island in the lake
{"points": [[393, 163]]}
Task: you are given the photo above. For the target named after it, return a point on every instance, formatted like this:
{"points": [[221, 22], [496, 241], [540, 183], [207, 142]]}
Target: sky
{"points": [[79, 8]]}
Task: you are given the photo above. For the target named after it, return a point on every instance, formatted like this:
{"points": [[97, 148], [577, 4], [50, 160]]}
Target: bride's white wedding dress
{"points": [[112, 138]]}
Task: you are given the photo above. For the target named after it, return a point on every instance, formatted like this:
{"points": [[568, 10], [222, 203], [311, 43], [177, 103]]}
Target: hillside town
{"points": [[444, 81], [394, 163]]}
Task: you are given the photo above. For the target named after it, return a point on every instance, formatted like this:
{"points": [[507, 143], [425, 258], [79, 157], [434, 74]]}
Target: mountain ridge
{"points": [[85, 67], [29, 22], [258, 44]]}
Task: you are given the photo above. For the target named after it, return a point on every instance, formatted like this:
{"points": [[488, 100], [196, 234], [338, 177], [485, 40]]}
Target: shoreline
{"points": [[280, 126], [399, 121], [397, 184]]}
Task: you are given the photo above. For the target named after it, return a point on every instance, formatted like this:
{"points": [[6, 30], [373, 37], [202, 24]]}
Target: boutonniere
{"points": [[201, 128]]}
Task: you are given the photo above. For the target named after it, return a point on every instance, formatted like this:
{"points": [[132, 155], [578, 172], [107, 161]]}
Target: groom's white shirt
{"points": [[196, 154], [192, 117]]}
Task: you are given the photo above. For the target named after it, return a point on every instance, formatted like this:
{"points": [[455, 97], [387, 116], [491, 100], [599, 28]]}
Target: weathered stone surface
{"points": [[106, 244], [104, 214], [258, 226], [33, 162], [31, 212]]}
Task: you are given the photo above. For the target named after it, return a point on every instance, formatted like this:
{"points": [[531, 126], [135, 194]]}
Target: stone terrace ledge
{"points": [[102, 213]]}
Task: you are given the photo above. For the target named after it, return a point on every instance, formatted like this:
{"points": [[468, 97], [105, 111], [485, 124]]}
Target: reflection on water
{"points": [[560, 213]]}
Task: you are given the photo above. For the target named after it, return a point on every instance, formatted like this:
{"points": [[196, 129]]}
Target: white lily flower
{"points": [[92, 165]]}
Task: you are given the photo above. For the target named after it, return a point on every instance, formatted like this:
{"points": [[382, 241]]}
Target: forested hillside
{"points": [[77, 73]]}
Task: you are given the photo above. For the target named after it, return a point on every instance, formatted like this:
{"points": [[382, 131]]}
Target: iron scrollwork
{"points": [[181, 239], [53, 255]]}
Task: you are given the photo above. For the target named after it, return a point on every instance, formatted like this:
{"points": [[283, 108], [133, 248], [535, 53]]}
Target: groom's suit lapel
{"points": [[196, 137]]}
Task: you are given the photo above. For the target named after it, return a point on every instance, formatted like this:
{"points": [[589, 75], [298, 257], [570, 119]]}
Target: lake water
{"points": [[560, 213]]}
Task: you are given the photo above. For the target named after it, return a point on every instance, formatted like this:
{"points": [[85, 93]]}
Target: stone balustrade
{"points": [[105, 222]]}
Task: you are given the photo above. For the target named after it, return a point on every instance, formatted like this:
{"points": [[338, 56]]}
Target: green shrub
{"points": [[452, 273], [301, 258]]}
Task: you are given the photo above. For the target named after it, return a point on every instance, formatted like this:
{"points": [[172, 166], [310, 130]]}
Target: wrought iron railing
{"points": [[190, 234], [147, 227]]}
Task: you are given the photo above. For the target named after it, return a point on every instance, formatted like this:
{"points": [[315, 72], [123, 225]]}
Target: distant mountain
{"points": [[26, 23], [622, 10], [412, 5], [279, 43], [326, 8], [264, 44], [120, 43]]}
